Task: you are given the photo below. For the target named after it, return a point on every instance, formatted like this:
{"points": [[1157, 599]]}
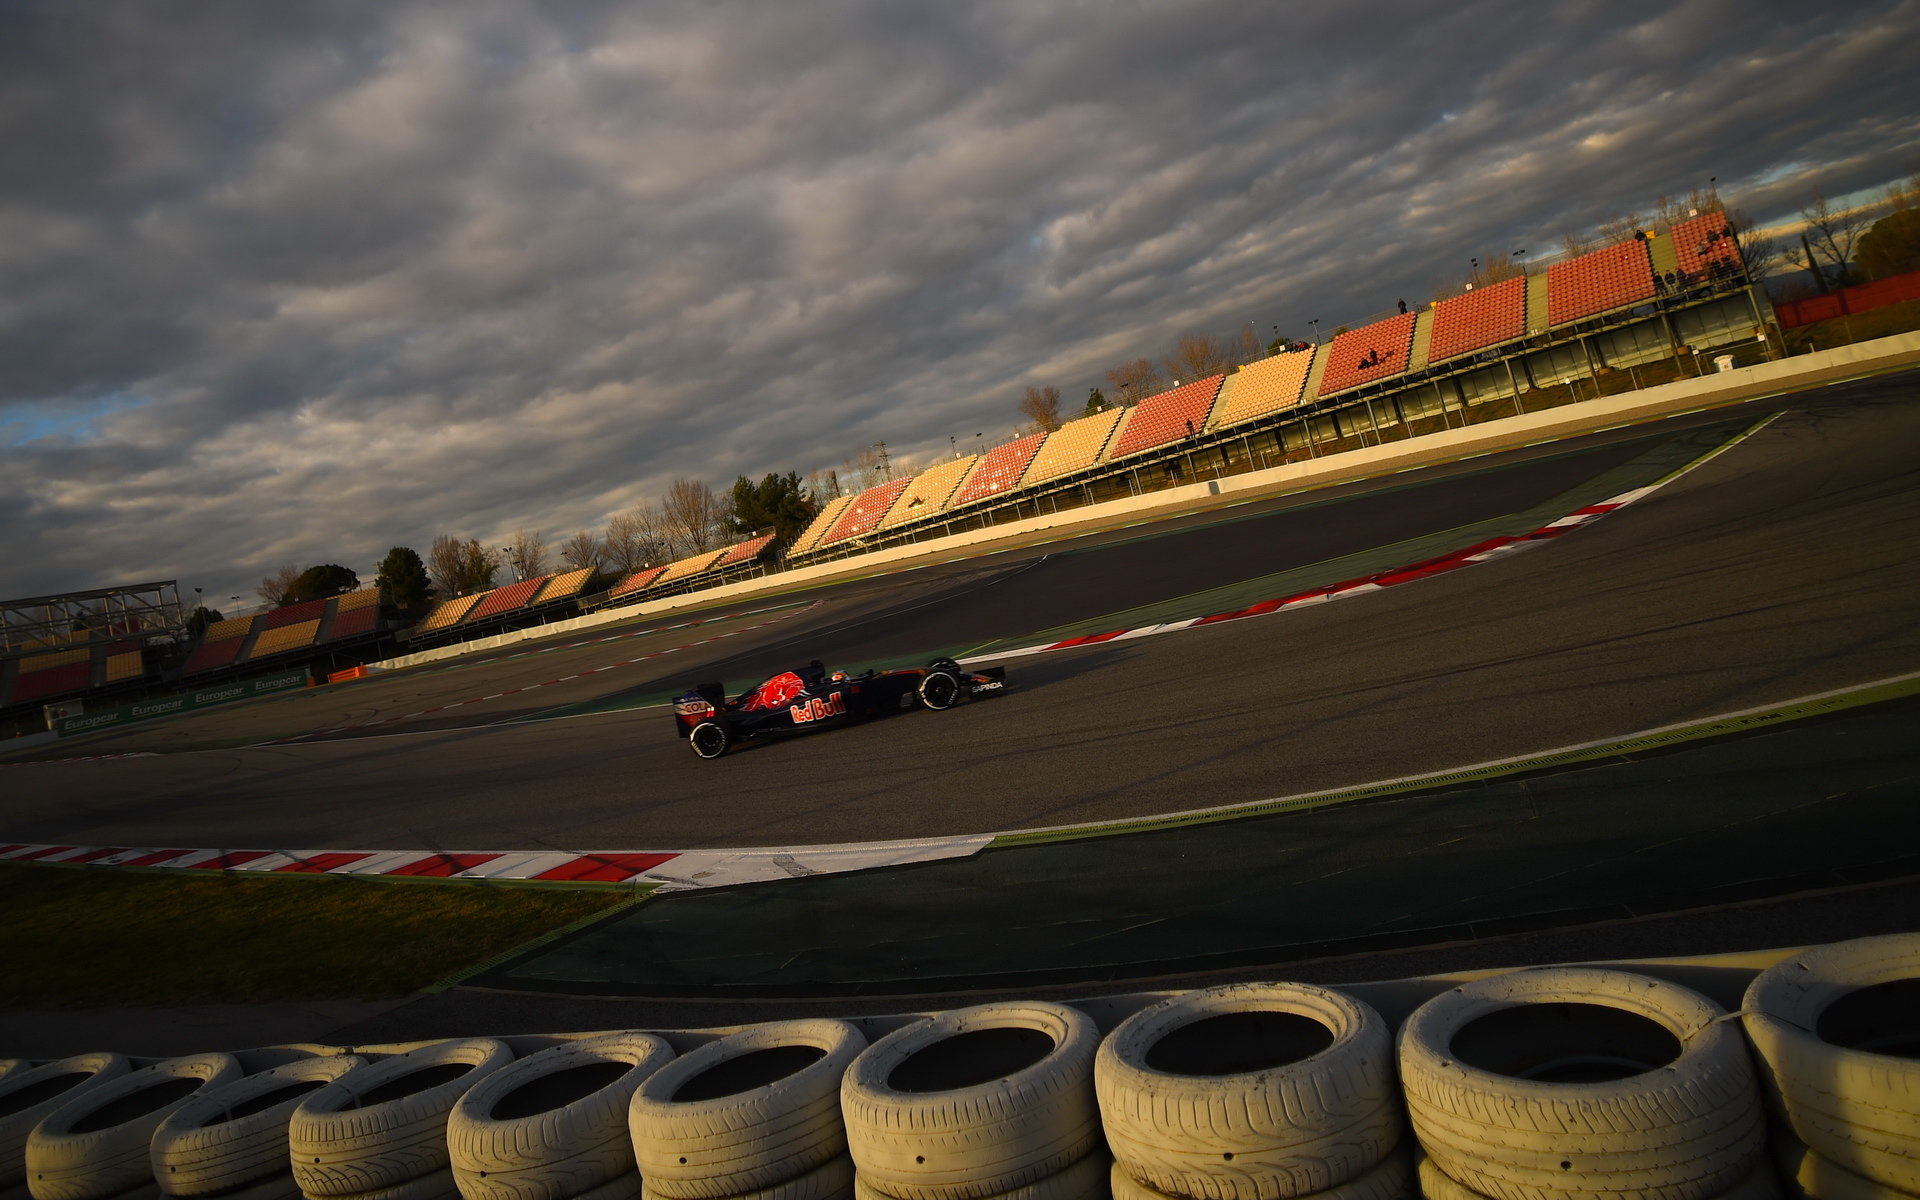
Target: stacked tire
{"points": [[231, 1141], [30, 1093], [1265, 1091], [753, 1114], [95, 1146], [1837, 1030], [553, 1126], [379, 1132], [1579, 1081], [994, 1100]]}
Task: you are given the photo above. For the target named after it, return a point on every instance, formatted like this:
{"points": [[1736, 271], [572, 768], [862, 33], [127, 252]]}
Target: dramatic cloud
{"points": [[299, 282]]}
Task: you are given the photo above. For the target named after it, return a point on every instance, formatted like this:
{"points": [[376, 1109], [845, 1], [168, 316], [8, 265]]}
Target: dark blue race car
{"points": [[810, 698]]}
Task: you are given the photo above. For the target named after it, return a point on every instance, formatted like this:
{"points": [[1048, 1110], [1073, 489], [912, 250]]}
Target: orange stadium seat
{"points": [[59, 658], [352, 623], [692, 564], [294, 614], [232, 627], [822, 522], [560, 587], [364, 598], [1167, 417], [282, 638], [998, 470], [746, 551], [449, 612], [640, 579], [929, 491], [53, 681], [1266, 387], [506, 599], [1073, 447], [211, 655], [123, 666], [1704, 240], [863, 515], [1613, 277], [1475, 320], [1368, 354]]}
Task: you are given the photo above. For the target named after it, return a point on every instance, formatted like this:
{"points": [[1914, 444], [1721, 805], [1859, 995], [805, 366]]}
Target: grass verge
{"points": [[78, 938]]}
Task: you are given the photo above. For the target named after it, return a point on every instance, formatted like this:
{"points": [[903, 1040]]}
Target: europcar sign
{"points": [[206, 697]]}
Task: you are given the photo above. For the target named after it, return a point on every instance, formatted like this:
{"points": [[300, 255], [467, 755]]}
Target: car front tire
{"points": [[939, 690]]}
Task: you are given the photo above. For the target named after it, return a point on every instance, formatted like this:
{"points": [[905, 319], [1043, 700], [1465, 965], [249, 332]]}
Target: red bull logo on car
{"points": [[817, 709], [779, 690]]}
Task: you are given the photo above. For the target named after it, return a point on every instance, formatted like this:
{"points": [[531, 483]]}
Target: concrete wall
{"points": [[1685, 395]]}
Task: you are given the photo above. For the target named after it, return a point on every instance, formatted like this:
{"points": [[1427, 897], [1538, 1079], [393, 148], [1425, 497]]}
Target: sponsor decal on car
{"points": [[991, 685], [817, 709]]}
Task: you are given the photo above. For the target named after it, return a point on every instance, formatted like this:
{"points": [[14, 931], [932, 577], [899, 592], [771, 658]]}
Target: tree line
{"points": [[689, 518]]}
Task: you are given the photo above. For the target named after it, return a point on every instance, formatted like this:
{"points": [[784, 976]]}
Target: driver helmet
{"points": [[838, 676]]}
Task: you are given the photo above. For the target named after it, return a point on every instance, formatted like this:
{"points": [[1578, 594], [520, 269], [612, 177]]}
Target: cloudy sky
{"points": [[297, 282]]}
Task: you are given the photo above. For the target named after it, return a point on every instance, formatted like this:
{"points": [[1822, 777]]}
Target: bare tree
{"points": [[1903, 194], [1135, 380], [1197, 356], [1622, 228], [1042, 407], [1248, 348], [693, 515], [824, 484], [865, 468], [274, 587], [1762, 254], [635, 539], [527, 551], [459, 568], [1832, 233], [582, 550]]}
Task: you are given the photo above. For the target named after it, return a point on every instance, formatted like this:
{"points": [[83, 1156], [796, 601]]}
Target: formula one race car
{"points": [[809, 698]]}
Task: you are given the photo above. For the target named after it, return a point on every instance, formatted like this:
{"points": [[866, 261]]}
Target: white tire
{"points": [[1391, 1178], [973, 1102], [554, 1124], [385, 1124], [1837, 1029], [624, 1187], [28, 1095], [95, 1145], [1436, 1184], [1807, 1174], [1539, 1084], [831, 1180], [745, 1112], [434, 1185], [1085, 1179], [1258, 1091], [227, 1137]]}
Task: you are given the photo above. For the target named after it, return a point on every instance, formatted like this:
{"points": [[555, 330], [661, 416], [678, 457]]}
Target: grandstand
{"points": [[73, 645], [1167, 417], [1073, 447], [1639, 302], [929, 491]]}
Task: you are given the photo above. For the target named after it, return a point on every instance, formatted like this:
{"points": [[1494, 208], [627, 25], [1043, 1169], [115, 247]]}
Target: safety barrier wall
{"points": [[166, 706], [1725, 387]]}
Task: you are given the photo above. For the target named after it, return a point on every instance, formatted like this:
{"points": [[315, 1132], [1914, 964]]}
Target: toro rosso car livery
{"points": [[809, 698]]}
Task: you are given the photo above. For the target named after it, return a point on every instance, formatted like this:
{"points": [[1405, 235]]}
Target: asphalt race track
{"points": [[1781, 568]]}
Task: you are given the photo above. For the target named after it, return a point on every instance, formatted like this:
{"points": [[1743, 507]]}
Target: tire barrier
{"points": [[1566, 1081], [1262, 1091], [95, 1145], [379, 1132], [1570, 1083], [974, 1102], [1837, 1031], [227, 1138], [747, 1113], [29, 1094], [554, 1124]]}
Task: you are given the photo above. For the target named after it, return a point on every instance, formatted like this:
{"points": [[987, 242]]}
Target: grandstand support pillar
{"points": [[1514, 380]]}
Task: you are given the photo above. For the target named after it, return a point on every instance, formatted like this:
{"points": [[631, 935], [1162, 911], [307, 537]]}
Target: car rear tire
{"points": [[710, 739], [939, 690]]}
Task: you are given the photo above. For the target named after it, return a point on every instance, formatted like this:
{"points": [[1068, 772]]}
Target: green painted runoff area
{"points": [[1653, 826]]}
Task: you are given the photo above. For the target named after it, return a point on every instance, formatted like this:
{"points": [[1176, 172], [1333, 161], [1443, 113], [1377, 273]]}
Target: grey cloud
{"points": [[386, 270]]}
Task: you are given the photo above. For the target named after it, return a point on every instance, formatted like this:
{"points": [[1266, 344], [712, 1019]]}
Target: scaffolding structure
{"points": [[143, 611]]}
